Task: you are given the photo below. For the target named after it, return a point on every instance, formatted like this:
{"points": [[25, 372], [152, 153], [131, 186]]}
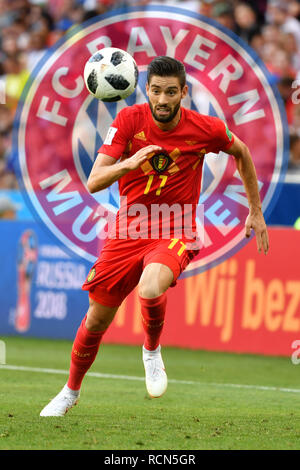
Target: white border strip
{"points": [[141, 379]]}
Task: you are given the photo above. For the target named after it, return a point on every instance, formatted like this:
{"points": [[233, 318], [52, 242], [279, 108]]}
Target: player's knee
{"points": [[148, 291], [155, 280], [95, 324], [99, 317]]}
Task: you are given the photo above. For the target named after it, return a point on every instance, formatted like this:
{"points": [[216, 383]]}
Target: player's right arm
{"points": [[106, 171]]}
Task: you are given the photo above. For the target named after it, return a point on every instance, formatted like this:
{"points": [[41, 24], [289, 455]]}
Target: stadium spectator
{"points": [[260, 7], [295, 126], [278, 13], [15, 76], [7, 177], [294, 161], [223, 12], [289, 44], [7, 209], [6, 120], [246, 21], [294, 8], [286, 91], [36, 49]]}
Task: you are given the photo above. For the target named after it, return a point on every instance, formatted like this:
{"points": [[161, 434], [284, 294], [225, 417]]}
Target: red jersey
{"points": [[173, 176]]}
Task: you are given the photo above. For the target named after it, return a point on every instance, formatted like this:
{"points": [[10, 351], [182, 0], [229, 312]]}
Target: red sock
{"points": [[84, 352], [153, 315]]}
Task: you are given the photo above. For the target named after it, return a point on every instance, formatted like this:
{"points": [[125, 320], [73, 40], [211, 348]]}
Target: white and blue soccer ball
{"points": [[111, 74]]}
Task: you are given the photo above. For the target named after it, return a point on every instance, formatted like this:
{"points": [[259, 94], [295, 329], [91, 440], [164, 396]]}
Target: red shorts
{"points": [[119, 268]]}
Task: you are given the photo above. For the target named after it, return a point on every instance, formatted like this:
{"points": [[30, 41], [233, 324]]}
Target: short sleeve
{"points": [[222, 138], [118, 135]]}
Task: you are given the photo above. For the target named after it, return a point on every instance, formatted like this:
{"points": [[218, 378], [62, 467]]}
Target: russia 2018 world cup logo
{"points": [[60, 126]]}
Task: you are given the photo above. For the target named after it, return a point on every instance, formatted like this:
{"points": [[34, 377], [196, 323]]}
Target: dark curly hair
{"points": [[165, 66]]}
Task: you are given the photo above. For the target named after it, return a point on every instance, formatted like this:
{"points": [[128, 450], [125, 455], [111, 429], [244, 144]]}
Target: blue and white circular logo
{"points": [[59, 126]]}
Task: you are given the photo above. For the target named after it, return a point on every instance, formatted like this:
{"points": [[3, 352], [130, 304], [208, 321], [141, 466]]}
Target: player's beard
{"points": [[167, 118]]}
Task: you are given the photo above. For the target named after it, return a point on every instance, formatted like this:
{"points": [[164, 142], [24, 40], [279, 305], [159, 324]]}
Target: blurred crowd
{"points": [[29, 27]]}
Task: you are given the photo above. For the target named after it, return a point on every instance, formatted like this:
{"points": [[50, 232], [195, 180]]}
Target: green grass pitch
{"points": [[232, 401]]}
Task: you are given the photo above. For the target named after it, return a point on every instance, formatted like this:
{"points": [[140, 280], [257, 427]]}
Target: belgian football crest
{"points": [[160, 161], [59, 125], [91, 275]]}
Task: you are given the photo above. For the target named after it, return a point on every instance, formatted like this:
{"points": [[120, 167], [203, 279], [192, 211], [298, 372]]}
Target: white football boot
{"points": [[60, 404], [156, 377]]}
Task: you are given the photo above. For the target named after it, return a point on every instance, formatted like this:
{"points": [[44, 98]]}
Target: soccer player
{"points": [[160, 147]]}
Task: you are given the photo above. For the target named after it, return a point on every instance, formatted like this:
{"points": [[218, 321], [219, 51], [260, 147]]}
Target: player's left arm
{"points": [[255, 219]]}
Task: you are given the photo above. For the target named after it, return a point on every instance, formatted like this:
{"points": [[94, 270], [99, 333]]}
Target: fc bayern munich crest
{"points": [[60, 126]]}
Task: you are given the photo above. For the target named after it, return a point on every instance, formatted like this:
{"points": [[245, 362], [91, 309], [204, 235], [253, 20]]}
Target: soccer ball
{"points": [[111, 74]]}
